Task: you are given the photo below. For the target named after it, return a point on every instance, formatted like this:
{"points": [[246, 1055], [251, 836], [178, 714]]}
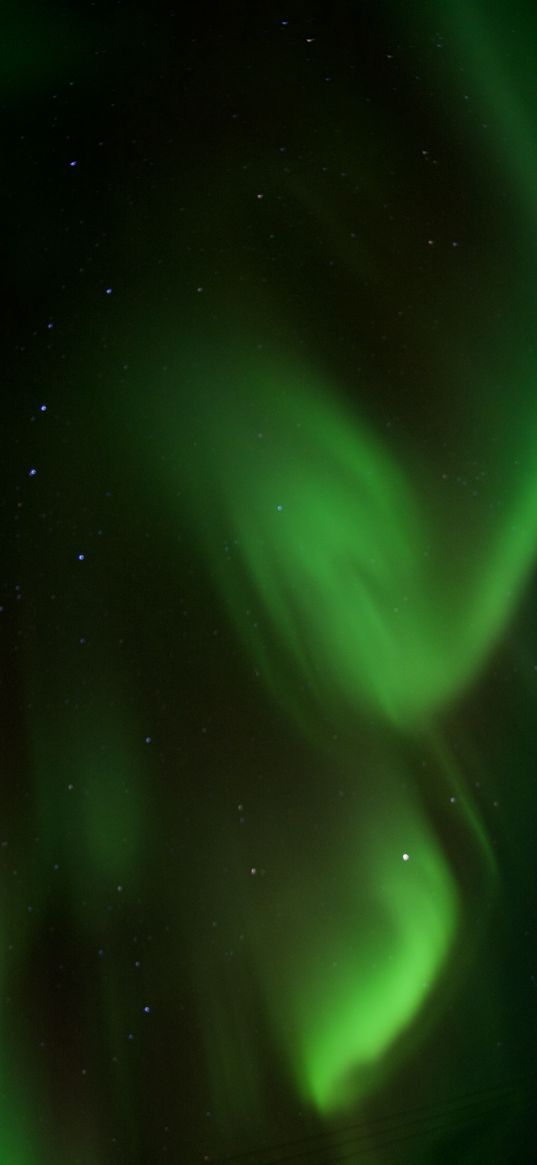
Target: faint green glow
{"points": [[501, 110], [23, 65], [87, 788]]}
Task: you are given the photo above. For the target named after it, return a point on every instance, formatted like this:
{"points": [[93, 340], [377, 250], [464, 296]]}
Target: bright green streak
{"points": [[379, 967]]}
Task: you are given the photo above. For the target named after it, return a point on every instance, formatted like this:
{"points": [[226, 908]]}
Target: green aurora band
{"points": [[356, 594], [328, 562], [349, 604]]}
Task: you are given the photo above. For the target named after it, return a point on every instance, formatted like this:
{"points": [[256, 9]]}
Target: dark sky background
{"points": [[183, 192]]}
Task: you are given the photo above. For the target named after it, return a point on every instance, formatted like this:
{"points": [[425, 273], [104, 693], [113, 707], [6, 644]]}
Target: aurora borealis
{"points": [[269, 636]]}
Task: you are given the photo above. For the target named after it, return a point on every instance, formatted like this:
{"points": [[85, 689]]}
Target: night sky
{"points": [[269, 541]]}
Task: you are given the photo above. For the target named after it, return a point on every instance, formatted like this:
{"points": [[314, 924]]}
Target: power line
{"points": [[376, 1127]]}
